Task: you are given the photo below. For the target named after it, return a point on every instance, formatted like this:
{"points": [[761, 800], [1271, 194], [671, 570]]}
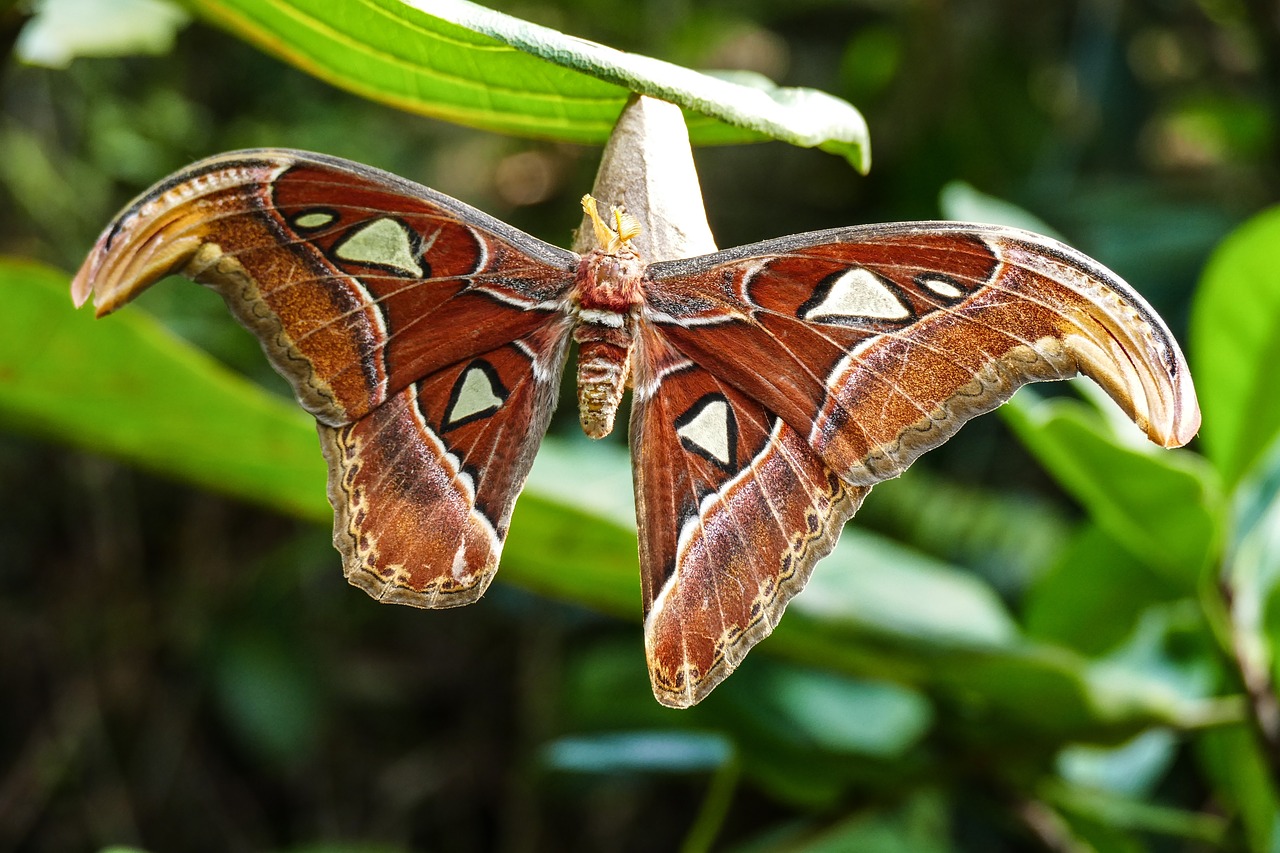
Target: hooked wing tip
{"points": [[1184, 420], [82, 284]]}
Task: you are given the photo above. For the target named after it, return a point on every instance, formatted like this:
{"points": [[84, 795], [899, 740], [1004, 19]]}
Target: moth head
{"points": [[612, 237]]}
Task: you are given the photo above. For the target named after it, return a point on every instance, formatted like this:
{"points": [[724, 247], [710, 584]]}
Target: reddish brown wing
{"points": [[426, 337], [734, 510], [839, 358]]}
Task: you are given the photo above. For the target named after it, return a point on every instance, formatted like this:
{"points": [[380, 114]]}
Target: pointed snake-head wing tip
{"points": [[83, 284], [1186, 415], [1173, 407], [80, 288]]}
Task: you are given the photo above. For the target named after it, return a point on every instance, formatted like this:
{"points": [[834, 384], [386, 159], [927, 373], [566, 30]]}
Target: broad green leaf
{"points": [[880, 610], [1093, 592], [807, 735], [920, 825], [836, 714], [1235, 345], [1132, 769], [963, 202], [573, 555], [1239, 773], [558, 474], [129, 388], [1252, 569], [870, 584], [460, 62], [1006, 536], [1163, 506], [1172, 658]]}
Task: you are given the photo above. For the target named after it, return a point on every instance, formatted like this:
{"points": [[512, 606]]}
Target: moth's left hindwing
{"points": [[426, 337]]}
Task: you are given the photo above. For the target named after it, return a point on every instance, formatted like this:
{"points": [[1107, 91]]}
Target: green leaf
{"points": [[573, 555], [129, 388], [1132, 769], [838, 715], [1118, 812], [607, 493], [1235, 345], [1006, 536], [1092, 593], [963, 202], [872, 585], [919, 825], [1252, 570], [879, 610], [1242, 782], [460, 62], [1163, 506], [1171, 657]]}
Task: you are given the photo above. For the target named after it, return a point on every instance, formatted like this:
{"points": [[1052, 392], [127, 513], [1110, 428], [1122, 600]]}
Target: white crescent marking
{"points": [[384, 242], [314, 219], [709, 430], [475, 396], [942, 287], [858, 292]]}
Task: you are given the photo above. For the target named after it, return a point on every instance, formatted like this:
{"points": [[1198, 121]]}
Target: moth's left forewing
{"points": [[878, 343]]}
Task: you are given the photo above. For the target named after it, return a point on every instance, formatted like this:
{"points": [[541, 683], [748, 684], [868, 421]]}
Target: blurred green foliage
{"points": [[1042, 637]]}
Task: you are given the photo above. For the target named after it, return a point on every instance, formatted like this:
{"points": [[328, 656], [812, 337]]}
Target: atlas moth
{"points": [[773, 384]]}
